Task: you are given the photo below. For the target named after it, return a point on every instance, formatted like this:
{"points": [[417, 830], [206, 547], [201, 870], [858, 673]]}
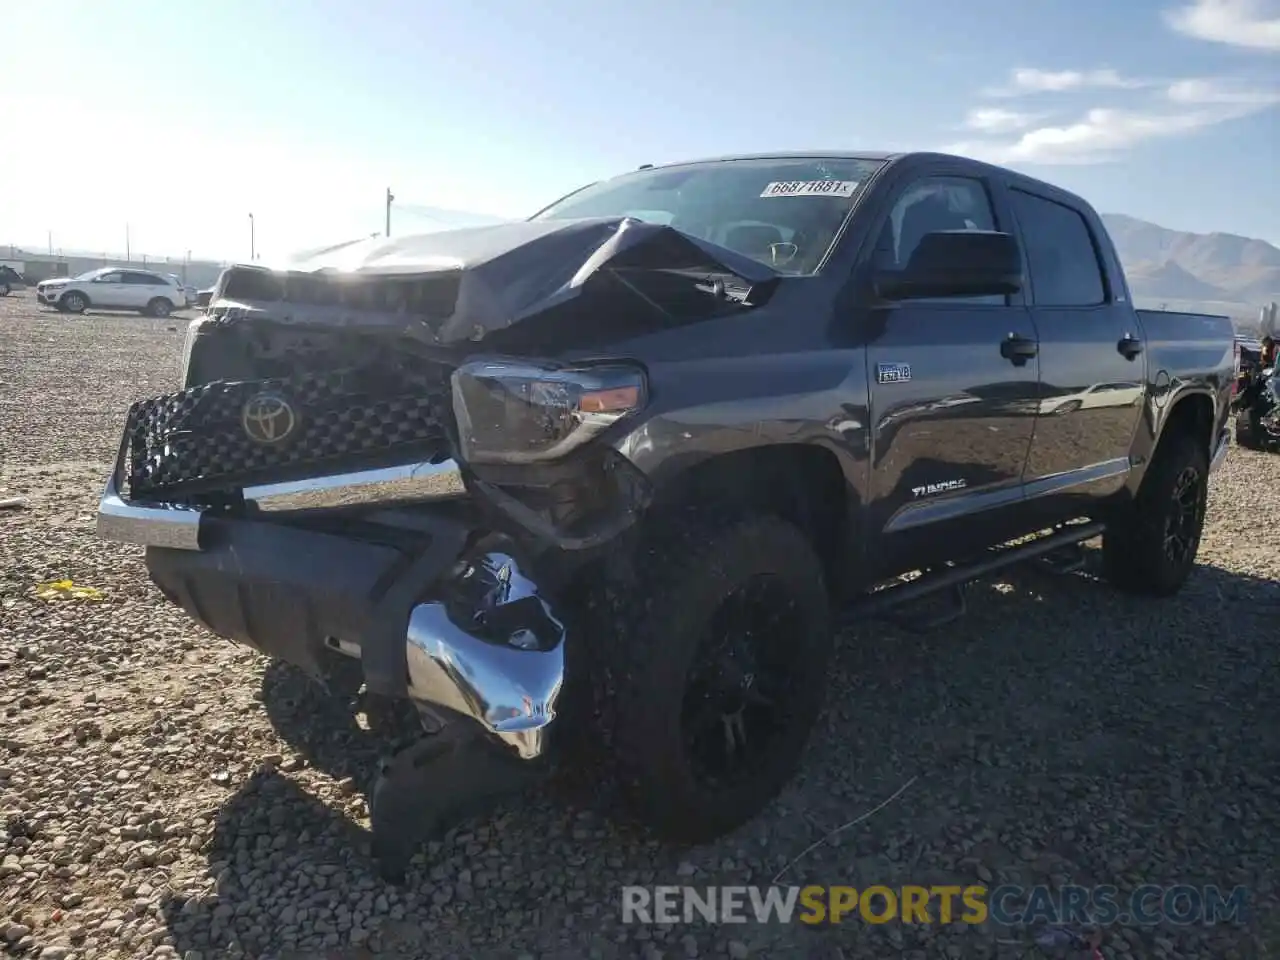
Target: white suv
{"points": [[114, 288]]}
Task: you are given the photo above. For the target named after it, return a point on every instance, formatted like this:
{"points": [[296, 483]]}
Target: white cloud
{"points": [[998, 120], [1104, 132], [1239, 23], [1227, 93], [1029, 80]]}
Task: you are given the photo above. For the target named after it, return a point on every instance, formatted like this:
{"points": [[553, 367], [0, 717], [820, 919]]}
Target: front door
{"points": [[1092, 367], [952, 405], [108, 290]]}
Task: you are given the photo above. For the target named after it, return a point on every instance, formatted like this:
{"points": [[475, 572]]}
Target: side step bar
{"points": [[955, 577]]}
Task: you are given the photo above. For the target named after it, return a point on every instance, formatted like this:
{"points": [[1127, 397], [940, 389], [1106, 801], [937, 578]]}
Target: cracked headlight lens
{"points": [[521, 413]]}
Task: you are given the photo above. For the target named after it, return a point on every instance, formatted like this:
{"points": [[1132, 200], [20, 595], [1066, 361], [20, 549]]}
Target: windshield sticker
{"points": [[810, 188]]}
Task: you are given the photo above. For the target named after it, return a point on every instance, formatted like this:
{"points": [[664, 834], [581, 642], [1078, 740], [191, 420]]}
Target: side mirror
{"points": [[956, 263]]}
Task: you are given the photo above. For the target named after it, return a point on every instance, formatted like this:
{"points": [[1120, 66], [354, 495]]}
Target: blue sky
{"points": [[180, 119]]}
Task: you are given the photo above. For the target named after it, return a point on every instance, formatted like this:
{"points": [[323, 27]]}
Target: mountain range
{"points": [[1218, 271]]}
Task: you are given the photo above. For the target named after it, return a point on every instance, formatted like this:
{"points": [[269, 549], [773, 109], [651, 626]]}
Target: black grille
{"points": [[195, 441]]}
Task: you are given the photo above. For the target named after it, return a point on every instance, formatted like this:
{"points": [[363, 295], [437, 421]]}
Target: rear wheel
{"points": [[1151, 548], [159, 307], [73, 302], [719, 681]]}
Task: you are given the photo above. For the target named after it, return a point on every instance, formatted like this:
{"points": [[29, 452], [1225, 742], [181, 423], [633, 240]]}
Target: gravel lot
{"points": [[167, 794]]}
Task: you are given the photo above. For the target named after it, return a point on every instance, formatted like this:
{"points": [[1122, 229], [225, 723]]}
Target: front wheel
{"points": [[1151, 548], [720, 678], [5, 289], [73, 302]]}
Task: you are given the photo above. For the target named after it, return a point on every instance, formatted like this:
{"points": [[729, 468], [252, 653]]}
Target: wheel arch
{"points": [[803, 483], [1191, 414]]}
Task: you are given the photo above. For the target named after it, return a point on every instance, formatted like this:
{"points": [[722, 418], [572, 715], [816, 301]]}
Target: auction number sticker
{"points": [[810, 188]]}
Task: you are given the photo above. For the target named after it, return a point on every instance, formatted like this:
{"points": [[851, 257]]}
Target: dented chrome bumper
{"points": [[510, 679], [464, 635], [175, 526]]}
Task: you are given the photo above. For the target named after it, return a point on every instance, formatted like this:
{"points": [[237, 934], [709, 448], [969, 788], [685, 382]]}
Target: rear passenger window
{"points": [[1060, 252]]}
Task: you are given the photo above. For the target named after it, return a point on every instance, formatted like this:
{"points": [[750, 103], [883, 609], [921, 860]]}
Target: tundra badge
{"points": [[893, 372], [943, 487]]}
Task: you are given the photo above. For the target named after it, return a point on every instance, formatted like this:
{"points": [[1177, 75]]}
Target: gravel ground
{"points": [[167, 794]]}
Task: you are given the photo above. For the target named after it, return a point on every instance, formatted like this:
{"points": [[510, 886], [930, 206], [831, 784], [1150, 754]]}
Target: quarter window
{"points": [[1061, 253]]}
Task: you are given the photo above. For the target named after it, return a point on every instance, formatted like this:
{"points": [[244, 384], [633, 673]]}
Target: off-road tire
{"points": [[682, 581], [1133, 544], [160, 307], [73, 302], [1248, 434]]}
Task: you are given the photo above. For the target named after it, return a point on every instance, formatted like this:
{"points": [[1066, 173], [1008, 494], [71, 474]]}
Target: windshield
{"points": [[784, 213]]}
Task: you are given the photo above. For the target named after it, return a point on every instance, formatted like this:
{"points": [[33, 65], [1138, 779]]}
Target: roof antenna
{"points": [[645, 166]]}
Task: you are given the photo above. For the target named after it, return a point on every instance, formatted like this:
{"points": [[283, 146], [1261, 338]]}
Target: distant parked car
{"points": [[10, 280], [114, 288], [188, 291]]}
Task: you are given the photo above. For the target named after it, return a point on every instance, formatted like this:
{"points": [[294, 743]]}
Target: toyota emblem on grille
{"points": [[268, 418]]}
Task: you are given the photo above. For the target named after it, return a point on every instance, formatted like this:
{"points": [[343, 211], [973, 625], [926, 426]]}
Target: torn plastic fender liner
{"points": [[504, 274]]}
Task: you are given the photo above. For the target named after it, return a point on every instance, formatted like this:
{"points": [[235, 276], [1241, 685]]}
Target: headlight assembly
{"points": [[518, 413]]}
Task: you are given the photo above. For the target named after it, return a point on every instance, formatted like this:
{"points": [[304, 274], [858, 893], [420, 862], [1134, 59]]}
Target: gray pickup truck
{"points": [[613, 476]]}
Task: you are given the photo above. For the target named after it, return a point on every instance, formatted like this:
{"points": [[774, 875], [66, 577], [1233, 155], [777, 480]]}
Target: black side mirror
{"points": [[956, 263]]}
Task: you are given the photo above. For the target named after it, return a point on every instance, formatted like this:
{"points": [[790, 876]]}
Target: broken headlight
{"points": [[518, 413]]}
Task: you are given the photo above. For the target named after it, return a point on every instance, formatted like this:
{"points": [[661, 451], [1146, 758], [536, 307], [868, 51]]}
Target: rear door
{"points": [[144, 287], [1092, 367], [952, 407]]}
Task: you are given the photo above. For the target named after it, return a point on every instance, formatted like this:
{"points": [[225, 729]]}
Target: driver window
{"points": [[929, 205]]}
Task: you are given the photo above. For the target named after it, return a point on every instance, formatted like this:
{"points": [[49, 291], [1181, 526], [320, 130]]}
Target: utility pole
{"points": [[253, 243], [128, 250], [51, 243], [390, 197]]}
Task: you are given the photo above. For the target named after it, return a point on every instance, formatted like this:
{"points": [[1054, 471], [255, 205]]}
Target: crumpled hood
{"points": [[487, 278]]}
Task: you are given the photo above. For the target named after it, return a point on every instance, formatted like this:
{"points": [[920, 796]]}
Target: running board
{"points": [[954, 577]]}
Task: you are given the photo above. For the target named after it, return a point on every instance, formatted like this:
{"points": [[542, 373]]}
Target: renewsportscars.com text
{"points": [[945, 904]]}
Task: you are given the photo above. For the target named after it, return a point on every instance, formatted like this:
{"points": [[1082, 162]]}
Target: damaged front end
{"points": [[380, 455]]}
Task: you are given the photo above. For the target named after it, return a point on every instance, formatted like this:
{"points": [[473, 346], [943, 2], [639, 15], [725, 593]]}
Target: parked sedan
{"points": [[114, 288]]}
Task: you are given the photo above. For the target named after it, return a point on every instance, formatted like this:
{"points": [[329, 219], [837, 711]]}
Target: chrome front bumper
{"points": [[469, 635], [177, 527], [508, 682]]}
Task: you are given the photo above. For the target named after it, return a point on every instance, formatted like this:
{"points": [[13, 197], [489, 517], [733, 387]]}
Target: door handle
{"points": [[1018, 349], [1129, 346]]}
